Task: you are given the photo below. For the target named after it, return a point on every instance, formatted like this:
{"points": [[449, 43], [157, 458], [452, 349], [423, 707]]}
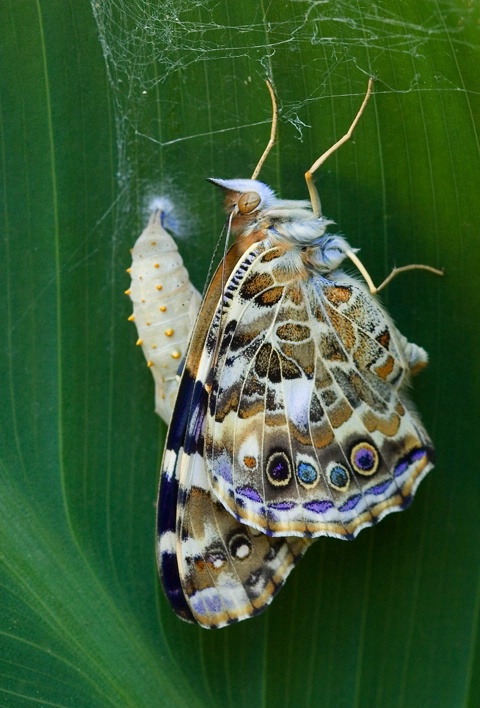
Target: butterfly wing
{"points": [[308, 431], [228, 571], [214, 570]]}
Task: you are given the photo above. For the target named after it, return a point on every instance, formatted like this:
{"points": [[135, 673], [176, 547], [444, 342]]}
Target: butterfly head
{"points": [[255, 212], [245, 199], [245, 196]]}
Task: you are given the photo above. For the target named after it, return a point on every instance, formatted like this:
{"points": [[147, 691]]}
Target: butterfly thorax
{"points": [[255, 214]]}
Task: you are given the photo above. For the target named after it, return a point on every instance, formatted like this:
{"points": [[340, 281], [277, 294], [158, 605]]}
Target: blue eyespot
{"points": [[307, 473], [339, 477]]}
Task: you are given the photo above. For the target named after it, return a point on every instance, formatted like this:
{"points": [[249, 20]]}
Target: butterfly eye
{"points": [[248, 202]]}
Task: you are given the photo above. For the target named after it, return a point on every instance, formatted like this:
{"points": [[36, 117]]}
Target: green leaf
{"points": [[103, 106]]}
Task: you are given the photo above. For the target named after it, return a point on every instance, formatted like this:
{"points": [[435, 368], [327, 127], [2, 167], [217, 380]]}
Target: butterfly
{"points": [[291, 420]]}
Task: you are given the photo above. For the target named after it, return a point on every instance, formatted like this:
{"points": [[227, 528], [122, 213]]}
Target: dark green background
{"points": [[102, 108]]}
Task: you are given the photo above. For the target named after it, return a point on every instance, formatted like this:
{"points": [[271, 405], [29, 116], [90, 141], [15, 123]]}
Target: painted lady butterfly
{"points": [[290, 420]]}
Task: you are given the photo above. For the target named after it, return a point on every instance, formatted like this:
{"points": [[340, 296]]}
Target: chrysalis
{"points": [[165, 305]]}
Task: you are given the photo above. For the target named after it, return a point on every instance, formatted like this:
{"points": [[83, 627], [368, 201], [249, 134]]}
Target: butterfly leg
{"points": [[396, 271]]}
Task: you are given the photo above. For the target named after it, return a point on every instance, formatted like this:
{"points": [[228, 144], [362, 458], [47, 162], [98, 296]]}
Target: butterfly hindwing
{"points": [[308, 432], [229, 571]]}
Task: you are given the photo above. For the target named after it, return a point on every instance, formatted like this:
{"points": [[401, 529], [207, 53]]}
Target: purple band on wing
{"points": [[250, 493], [350, 503], [224, 470], [380, 488], [413, 456], [282, 506], [205, 603], [320, 506]]}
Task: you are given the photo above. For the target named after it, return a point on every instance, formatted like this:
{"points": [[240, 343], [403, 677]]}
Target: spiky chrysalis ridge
{"points": [[165, 306]]}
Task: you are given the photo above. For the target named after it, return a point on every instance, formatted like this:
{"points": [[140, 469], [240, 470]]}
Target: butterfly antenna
{"points": [[273, 130], [312, 190]]}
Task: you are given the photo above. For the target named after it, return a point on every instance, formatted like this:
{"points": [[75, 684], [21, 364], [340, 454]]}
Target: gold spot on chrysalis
{"points": [[159, 287], [127, 292], [169, 332], [139, 342], [131, 318], [163, 308], [176, 354], [149, 363], [156, 265], [128, 270]]}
